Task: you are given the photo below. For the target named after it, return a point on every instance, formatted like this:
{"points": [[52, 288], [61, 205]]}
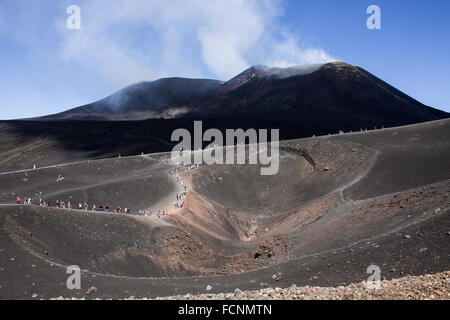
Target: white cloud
{"points": [[134, 40], [287, 52]]}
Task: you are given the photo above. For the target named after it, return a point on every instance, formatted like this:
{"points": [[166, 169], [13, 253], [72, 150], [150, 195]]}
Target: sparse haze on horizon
{"points": [[47, 68]]}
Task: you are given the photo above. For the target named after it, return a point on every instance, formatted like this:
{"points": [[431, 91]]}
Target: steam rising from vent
{"points": [[157, 93], [282, 73], [118, 100]]}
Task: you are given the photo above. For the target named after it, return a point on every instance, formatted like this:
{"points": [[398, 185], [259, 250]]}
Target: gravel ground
{"points": [[425, 287]]}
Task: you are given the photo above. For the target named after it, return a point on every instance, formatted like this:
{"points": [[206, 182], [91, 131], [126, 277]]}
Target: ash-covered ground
{"points": [[338, 204]]}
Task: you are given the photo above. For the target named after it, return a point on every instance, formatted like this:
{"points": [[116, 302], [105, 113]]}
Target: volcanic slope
{"points": [[338, 204]]}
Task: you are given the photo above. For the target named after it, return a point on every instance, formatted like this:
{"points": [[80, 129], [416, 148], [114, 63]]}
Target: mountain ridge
{"points": [[336, 88]]}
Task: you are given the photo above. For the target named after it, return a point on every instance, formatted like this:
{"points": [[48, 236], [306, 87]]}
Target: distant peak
{"points": [[253, 71], [245, 76], [259, 67], [338, 64]]}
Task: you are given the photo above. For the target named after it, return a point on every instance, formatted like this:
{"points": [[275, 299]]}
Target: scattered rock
{"points": [[428, 286], [277, 277], [91, 290]]}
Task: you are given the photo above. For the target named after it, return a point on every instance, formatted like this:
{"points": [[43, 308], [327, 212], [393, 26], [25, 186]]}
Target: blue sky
{"points": [[47, 68]]}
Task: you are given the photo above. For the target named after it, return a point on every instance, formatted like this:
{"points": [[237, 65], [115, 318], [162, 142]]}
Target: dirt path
{"points": [[167, 204]]}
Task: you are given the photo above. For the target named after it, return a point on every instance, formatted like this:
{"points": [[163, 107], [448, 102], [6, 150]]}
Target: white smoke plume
{"points": [[182, 38]]}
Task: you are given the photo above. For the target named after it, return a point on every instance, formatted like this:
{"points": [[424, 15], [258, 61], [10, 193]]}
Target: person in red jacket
{"points": [[18, 200]]}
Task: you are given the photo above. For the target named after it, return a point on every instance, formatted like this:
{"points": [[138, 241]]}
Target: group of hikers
{"points": [[68, 205], [148, 213], [25, 200], [180, 197], [86, 207], [189, 166], [375, 128]]}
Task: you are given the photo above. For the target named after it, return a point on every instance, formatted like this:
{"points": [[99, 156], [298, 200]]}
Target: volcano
{"points": [[300, 101], [335, 94]]}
